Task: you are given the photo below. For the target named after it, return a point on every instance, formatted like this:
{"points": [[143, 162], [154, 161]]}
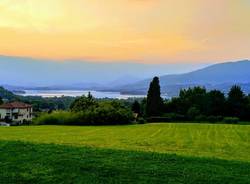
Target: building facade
{"points": [[16, 112]]}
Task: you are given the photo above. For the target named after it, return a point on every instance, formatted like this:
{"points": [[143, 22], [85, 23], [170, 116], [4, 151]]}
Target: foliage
{"points": [[158, 119], [57, 118], [174, 117], [141, 120], [103, 113], [83, 103], [193, 97], [214, 119], [5, 94], [48, 104], [154, 102], [216, 103], [193, 112], [236, 102], [143, 105], [199, 105], [136, 107], [39, 103], [200, 118], [231, 120]]}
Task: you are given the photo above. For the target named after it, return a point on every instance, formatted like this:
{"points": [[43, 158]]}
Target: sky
{"points": [[147, 31]]}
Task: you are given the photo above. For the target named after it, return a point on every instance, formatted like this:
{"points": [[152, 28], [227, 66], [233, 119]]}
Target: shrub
{"points": [[200, 118], [231, 120], [214, 119], [106, 113], [141, 120], [57, 118], [174, 117], [193, 112], [158, 119]]}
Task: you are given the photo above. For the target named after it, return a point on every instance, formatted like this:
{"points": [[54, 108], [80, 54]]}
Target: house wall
{"points": [[17, 115], [3, 113], [24, 114]]}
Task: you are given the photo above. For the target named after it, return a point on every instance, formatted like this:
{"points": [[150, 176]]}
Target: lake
{"points": [[75, 93]]}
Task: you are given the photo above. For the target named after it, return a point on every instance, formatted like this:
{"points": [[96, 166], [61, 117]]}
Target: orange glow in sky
{"points": [[167, 31]]}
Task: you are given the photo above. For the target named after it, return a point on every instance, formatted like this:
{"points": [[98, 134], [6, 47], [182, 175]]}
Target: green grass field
{"points": [[150, 153]]}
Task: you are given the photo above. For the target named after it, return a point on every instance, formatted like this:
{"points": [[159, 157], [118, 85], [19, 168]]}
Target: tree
{"points": [[83, 103], [143, 107], [248, 107], [193, 97], [1, 100], [215, 103], [136, 108], [236, 102], [154, 103], [192, 113]]}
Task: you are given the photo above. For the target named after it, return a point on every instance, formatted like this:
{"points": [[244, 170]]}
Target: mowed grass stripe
{"points": [[45, 163], [204, 140]]}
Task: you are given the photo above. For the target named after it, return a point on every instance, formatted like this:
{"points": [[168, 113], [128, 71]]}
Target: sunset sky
{"points": [[164, 31]]}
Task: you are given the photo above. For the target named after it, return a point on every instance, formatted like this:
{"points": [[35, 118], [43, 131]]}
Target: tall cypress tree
{"points": [[154, 101]]}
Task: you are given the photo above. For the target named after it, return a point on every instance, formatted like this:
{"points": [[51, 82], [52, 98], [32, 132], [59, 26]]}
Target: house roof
{"points": [[14, 105]]}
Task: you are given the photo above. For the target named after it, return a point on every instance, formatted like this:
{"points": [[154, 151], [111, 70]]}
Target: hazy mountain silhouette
{"points": [[218, 76], [19, 71]]}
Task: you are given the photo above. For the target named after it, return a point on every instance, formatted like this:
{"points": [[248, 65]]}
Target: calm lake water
{"points": [[75, 93]]}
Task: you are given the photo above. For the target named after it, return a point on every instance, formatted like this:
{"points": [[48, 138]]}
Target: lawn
{"points": [[150, 153], [231, 142], [46, 163]]}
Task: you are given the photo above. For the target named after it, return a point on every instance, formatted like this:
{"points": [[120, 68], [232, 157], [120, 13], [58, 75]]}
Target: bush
{"points": [[106, 113], [192, 113], [168, 117], [141, 120], [214, 119], [57, 118], [200, 118], [231, 120], [158, 119], [174, 117]]}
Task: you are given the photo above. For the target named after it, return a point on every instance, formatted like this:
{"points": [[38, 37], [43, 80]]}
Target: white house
{"points": [[16, 112]]}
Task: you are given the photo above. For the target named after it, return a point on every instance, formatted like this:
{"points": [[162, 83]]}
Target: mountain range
{"points": [[218, 76], [17, 73], [29, 72]]}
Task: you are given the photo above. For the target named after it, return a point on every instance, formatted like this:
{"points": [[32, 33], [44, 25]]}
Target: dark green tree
{"points": [[83, 103], [236, 102], [193, 97], [143, 107], [136, 108], [192, 113], [248, 107], [216, 103], [154, 103], [1, 100]]}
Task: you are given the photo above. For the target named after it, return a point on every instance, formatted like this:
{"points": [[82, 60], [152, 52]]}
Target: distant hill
{"points": [[29, 72], [5, 94], [218, 76]]}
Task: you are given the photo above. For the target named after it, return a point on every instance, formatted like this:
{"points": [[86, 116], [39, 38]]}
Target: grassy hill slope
{"points": [[151, 153], [205, 140], [47, 163]]}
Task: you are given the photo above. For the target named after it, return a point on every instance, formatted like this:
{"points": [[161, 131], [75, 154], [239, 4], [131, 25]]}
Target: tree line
{"points": [[86, 110], [194, 104]]}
